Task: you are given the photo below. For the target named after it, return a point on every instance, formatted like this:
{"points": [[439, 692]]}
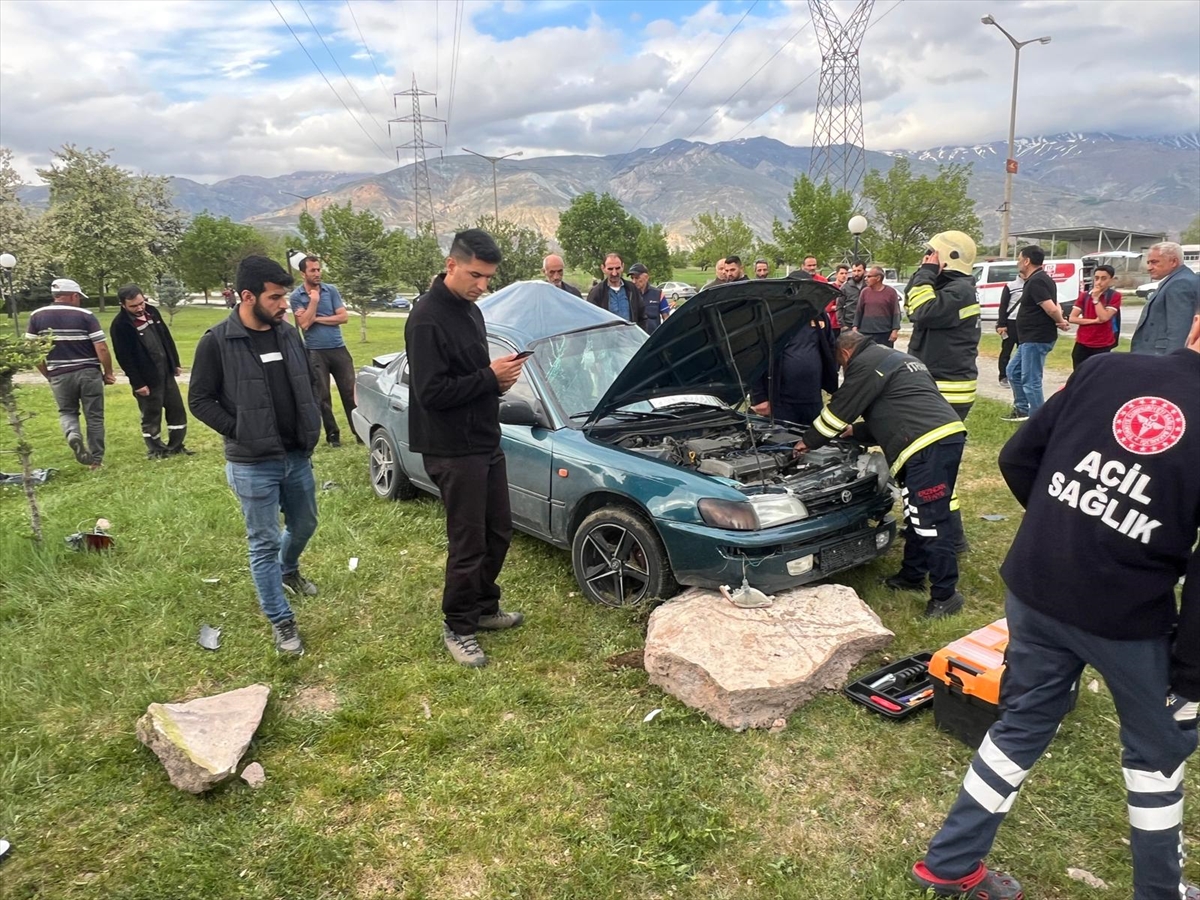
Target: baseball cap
{"points": [[66, 286], [955, 249], [638, 269]]}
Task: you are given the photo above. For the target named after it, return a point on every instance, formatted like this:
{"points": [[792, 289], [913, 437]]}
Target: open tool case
{"points": [[897, 690]]}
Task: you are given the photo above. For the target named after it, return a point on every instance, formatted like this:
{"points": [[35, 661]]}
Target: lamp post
{"points": [[857, 225], [7, 262], [1010, 165], [493, 160]]}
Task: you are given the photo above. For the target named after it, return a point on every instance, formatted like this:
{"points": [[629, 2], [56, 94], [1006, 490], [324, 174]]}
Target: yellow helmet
{"points": [[955, 249]]}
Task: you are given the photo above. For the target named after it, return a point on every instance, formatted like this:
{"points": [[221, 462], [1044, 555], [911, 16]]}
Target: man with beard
{"points": [[552, 268], [252, 384]]}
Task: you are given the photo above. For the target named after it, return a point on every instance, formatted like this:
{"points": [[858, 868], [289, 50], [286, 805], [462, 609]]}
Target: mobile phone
{"points": [[524, 354]]}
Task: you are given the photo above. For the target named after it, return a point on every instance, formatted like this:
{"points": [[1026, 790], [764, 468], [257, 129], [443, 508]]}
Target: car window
{"points": [[522, 389], [581, 366], [1004, 273]]}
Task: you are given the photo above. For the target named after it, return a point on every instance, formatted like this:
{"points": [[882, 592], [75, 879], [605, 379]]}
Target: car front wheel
{"points": [[388, 480], [619, 559]]}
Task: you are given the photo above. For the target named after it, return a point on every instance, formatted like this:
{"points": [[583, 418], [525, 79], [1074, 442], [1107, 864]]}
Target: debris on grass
{"points": [[254, 775], [425, 709], [652, 715], [993, 517], [37, 476], [353, 563], [1086, 877], [1094, 686], [211, 580], [630, 659], [210, 638], [329, 485], [5, 846]]}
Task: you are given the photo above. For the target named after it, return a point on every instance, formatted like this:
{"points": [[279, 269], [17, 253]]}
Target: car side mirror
{"points": [[514, 411]]}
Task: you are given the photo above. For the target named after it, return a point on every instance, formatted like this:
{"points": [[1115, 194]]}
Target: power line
{"points": [[370, 56], [459, 16], [321, 37], [689, 82], [329, 84]]}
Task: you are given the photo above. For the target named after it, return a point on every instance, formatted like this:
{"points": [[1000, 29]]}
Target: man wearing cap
{"points": [[657, 307], [762, 268], [619, 295], [78, 367], [552, 268]]}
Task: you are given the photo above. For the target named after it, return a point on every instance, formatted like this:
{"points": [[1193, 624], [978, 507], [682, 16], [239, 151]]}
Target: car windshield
{"points": [[581, 366]]}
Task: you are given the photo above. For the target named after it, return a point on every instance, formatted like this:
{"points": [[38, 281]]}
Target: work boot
{"points": [[334, 440], [287, 638], [181, 450], [297, 585], [75, 442], [939, 609], [501, 621], [464, 648], [982, 884], [901, 582]]}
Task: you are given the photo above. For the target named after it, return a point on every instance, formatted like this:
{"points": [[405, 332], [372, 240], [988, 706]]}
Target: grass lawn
{"points": [[392, 772]]}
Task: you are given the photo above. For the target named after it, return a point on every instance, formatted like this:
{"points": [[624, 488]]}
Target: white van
{"points": [[1071, 276]]}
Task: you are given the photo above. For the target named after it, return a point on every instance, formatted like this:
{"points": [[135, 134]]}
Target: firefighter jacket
{"points": [[896, 397], [944, 310], [1107, 473]]}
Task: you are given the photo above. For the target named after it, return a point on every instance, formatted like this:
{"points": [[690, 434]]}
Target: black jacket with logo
{"points": [[454, 399], [1107, 472], [944, 309], [135, 360]]}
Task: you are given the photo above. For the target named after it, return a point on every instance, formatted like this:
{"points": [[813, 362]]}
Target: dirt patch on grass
{"points": [[460, 882], [630, 659], [313, 700]]}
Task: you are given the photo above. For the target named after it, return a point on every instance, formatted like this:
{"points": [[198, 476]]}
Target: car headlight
{"points": [[732, 514], [777, 509], [875, 463]]}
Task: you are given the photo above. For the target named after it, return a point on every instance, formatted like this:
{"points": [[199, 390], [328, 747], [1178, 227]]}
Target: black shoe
{"points": [[287, 638], [898, 582], [180, 451], [156, 454], [1015, 416], [939, 609], [1004, 382], [963, 546], [75, 442], [334, 440], [297, 585]]}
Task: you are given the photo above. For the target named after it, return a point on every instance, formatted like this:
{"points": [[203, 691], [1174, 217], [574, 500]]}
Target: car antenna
{"points": [[742, 388]]}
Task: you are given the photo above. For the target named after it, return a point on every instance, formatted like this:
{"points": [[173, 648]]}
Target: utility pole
{"points": [[304, 197], [493, 160], [422, 192], [838, 155]]}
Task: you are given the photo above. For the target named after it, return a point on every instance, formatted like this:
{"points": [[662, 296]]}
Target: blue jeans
{"points": [[264, 489], [1025, 376]]}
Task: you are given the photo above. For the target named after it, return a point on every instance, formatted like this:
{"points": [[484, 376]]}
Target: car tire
{"points": [[675, 296], [387, 477], [619, 559]]}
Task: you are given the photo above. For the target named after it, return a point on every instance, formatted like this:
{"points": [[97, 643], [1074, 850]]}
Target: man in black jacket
{"points": [[1106, 472], [146, 352], [251, 383], [922, 437], [454, 423], [619, 295]]}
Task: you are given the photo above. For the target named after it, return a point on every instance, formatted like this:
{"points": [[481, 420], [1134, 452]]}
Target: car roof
{"points": [[528, 311]]}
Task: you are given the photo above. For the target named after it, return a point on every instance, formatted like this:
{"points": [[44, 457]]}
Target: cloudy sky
{"points": [[213, 88]]}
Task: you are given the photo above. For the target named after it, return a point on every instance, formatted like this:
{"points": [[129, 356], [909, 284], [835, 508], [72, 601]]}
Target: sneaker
{"points": [[464, 648], [939, 609], [899, 582], [334, 441], [297, 585], [501, 620], [1015, 415], [982, 884], [1190, 891], [287, 638], [75, 442], [1004, 382]]}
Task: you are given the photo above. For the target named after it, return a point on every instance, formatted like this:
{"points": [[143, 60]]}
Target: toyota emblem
{"points": [[847, 496]]}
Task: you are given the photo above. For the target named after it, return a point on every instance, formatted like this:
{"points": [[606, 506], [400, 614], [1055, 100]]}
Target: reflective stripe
{"points": [[1138, 781], [925, 532], [175, 427], [1160, 818], [954, 504], [929, 437], [987, 796], [918, 296], [946, 387], [960, 399], [825, 429], [833, 420], [967, 311], [998, 762]]}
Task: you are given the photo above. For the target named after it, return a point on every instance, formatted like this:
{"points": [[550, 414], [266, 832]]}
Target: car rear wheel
{"points": [[388, 480], [619, 559]]}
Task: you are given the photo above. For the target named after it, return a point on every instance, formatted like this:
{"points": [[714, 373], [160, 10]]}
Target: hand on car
{"points": [[761, 409], [800, 448], [143, 391], [507, 371]]}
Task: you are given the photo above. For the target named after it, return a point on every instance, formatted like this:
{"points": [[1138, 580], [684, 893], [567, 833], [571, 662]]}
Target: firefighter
{"points": [[922, 438], [1107, 473]]}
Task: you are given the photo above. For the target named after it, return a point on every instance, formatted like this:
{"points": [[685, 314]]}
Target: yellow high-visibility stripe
{"points": [[825, 429], [929, 437], [833, 420], [967, 311], [954, 504], [919, 295], [947, 387], [960, 399]]}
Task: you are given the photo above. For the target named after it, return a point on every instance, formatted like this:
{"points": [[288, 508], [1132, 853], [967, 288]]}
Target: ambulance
{"points": [[1071, 276]]}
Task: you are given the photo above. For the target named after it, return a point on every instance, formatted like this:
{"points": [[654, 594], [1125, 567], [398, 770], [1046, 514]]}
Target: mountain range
{"points": [[1142, 183]]}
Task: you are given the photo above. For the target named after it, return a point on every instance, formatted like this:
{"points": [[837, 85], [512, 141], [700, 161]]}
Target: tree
{"points": [[818, 227], [210, 250], [654, 254], [21, 233], [680, 258], [717, 237], [523, 249], [17, 355], [416, 260], [1191, 234], [170, 295], [592, 227], [363, 277], [907, 211]]}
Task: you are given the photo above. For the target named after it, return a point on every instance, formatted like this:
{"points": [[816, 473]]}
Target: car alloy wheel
{"points": [[619, 559], [388, 481]]}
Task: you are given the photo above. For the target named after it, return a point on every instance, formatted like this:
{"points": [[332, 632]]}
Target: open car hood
{"points": [[719, 342]]}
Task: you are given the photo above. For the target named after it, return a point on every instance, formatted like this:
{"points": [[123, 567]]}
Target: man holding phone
{"points": [[454, 422]]}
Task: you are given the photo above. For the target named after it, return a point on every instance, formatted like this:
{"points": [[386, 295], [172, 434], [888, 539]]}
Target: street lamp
{"points": [[493, 160], [857, 225], [7, 263], [1010, 165]]}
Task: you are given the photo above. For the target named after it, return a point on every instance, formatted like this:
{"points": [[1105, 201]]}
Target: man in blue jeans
{"points": [[252, 384], [1039, 319]]}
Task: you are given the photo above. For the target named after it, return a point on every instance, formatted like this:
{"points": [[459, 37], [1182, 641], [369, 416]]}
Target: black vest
{"points": [[246, 394]]}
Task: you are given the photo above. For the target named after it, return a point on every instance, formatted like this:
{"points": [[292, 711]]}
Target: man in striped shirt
{"points": [[78, 367]]}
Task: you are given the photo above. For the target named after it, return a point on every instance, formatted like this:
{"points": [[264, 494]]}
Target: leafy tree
{"points": [[654, 254], [523, 249], [717, 237], [170, 295], [363, 275], [592, 227], [21, 233], [17, 355], [907, 210], [818, 227], [1191, 234], [772, 253], [210, 250], [416, 260], [680, 259]]}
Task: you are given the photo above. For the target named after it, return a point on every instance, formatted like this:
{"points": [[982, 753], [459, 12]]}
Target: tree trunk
{"points": [[362, 326], [8, 400], [101, 293]]}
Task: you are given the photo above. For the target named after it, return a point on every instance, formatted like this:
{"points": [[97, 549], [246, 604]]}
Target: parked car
{"points": [[630, 450], [677, 292], [400, 302], [1071, 276], [1145, 290]]}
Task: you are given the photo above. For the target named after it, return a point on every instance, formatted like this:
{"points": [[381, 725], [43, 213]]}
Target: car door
{"points": [[529, 453], [397, 418]]}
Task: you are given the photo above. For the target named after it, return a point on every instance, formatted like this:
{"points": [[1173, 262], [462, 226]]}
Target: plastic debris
{"points": [[38, 476], [1086, 877], [89, 540], [5, 846], [210, 638], [329, 485], [993, 517], [746, 597], [1094, 686], [211, 580], [652, 715], [103, 525], [353, 563]]}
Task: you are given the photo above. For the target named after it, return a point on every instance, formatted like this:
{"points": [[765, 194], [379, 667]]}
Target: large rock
{"points": [[745, 668], [201, 742]]}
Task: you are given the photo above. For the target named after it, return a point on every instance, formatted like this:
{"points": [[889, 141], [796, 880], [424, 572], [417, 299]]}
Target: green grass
{"points": [[533, 778]]}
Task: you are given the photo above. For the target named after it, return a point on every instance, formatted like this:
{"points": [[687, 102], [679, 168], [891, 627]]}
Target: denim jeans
{"points": [[265, 489], [81, 388], [1025, 376]]}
